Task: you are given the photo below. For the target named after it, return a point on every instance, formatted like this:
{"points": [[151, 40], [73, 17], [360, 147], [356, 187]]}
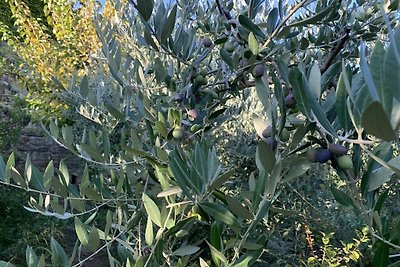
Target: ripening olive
{"points": [[322, 155], [229, 47], [207, 42], [285, 135], [271, 142], [258, 71], [203, 72], [267, 132], [311, 154], [345, 162], [193, 113], [337, 149], [199, 79], [179, 97], [243, 62], [290, 102]]}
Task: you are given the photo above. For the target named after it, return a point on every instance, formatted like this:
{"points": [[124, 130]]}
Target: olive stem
{"points": [[279, 27], [358, 141]]}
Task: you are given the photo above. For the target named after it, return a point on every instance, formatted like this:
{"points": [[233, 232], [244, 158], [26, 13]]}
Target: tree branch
{"points": [[291, 13], [339, 46]]}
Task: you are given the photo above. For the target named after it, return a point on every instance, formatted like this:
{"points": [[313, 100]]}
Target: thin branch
{"points": [[339, 46], [98, 250], [356, 141], [104, 164], [283, 22], [30, 190], [387, 242], [222, 11]]}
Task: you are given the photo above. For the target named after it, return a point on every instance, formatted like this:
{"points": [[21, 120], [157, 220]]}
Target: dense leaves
{"points": [[178, 183]]}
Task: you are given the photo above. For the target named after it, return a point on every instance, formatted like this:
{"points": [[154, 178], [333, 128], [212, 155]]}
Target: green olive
{"points": [[229, 47], [177, 133], [285, 135], [345, 162]]}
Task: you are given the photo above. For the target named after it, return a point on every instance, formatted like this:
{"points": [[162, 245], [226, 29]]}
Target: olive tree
{"points": [[327, 76]]}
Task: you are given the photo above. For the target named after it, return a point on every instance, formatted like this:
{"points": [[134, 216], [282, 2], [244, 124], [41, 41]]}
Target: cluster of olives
{"points": [[271, 141], [179, 132], [201, 77], [322, 155]]}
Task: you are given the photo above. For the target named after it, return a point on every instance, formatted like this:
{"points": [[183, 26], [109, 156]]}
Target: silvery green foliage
{"points": [[153, 112]]}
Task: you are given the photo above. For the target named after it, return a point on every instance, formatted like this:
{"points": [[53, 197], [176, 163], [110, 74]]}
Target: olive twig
{"points": [[358, 141], [279, 27]]}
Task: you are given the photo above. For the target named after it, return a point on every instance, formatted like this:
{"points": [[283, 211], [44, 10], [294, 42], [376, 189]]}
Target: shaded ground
{"points": [[98, 260]]}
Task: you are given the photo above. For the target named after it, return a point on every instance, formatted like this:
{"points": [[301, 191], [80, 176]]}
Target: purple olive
{"points": [[258, 71], [290, 102], [207, 42], [271, 142], [322, 155], [193, 113], [198, 99], [179, 97], [337, 149], [267, 132], [311, 153], [243, 63]]}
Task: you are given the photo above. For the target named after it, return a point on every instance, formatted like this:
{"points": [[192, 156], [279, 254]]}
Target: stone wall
{"points": [[31, 139], [42, 149]]}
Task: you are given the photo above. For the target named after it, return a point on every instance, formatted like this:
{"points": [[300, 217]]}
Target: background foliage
{"points": [[222, 133]]}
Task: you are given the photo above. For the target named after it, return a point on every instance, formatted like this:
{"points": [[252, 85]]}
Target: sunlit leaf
{"points": [[253, 44], [81, 232], [217, 254], [315, 79], [31, 257], [262, 89], [58, 256], [170, 192], [94, 239], [152, 210], [149, 233]]}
